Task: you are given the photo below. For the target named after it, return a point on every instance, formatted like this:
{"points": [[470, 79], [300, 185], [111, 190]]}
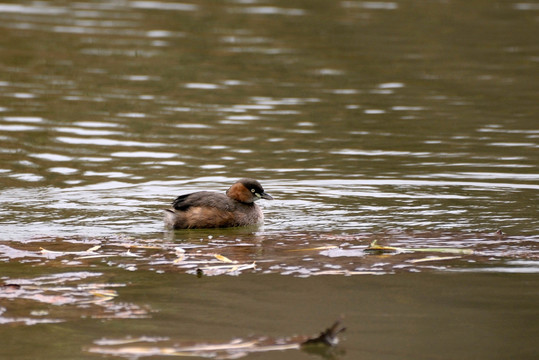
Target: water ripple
{"points": [[106, 142], [268, 10], [144, 154], [157, 5], [86, 132]]}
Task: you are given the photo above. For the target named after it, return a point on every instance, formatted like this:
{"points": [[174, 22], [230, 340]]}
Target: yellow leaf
{"points": [[224, 259], [104, 293], [379, 248], [179, 259]]}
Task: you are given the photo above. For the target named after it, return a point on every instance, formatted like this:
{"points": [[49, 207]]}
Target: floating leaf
{"points": [[224, 259], [104, 293], [374, 247]]}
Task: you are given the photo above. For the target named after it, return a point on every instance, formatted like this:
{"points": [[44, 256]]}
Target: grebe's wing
{"points": [[201, 199]]}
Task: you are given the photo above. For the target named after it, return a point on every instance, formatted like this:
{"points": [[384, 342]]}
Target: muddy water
{"points": [[410, 124]]}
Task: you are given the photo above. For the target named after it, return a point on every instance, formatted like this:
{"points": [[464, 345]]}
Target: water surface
{"points": [[410, 124]]}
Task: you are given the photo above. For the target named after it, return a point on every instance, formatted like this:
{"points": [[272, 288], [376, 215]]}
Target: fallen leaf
{"points": [[224, 259]]}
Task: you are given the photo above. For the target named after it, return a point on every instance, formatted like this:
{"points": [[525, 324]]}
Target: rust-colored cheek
{"points": [[240, 193]]}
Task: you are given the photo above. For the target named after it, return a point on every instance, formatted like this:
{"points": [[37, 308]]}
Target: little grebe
{"points": [[206, 209]]}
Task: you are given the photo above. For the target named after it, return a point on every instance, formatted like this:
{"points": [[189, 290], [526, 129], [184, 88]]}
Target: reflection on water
{"points": [[97, 299], [413, 124]]}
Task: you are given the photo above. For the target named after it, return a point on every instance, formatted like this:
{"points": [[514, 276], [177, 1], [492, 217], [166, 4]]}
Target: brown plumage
{"points": [[206, 209]]}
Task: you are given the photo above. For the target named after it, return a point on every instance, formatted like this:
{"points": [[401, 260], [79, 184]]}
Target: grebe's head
{"points": [[247, 191]]}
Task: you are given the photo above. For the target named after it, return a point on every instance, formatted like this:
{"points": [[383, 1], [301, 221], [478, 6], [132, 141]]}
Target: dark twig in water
{"points": [[327, 337]]}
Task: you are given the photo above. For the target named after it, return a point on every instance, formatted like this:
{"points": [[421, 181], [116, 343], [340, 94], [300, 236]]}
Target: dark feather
{"points": [[202, 199]]}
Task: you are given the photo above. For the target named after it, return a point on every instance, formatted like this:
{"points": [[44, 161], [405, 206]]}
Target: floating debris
{"points": [[375, 248], [232, 269], [89, 252], [302, 254], [327, 337]]}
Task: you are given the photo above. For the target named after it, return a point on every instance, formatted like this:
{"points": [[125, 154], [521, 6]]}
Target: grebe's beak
{"points": [[264, 196]]}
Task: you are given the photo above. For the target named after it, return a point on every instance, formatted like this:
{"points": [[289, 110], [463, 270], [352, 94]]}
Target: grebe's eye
{"points": [[252, 190]]}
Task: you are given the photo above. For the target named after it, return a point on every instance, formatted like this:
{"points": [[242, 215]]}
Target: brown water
{"points": [[413, 124]]}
